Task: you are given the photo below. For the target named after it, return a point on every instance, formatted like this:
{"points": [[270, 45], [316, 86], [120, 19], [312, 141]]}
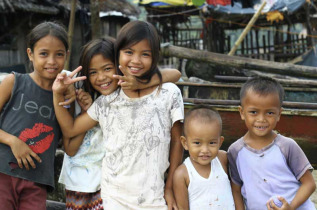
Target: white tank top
{"points": [[213, 193]]}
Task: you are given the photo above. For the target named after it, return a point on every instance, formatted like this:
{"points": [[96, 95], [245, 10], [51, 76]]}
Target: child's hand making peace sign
{"points": [[127, 81], [63, 81]]}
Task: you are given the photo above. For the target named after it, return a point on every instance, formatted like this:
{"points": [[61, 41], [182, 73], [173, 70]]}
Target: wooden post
{"points": [[247, 29], [71, 32], [95, 19]]}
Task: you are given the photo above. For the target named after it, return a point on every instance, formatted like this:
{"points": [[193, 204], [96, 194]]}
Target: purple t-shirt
{"points": [[272, 170]]}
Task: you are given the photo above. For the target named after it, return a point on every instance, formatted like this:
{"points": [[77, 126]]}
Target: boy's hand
{"points": [[84, 99], [285, 206], [127, 81], [63, 80], [23, 153], [169, 198]]}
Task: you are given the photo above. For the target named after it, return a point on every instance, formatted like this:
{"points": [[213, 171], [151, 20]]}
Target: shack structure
{"points": [[18, 17], [283, 31]]}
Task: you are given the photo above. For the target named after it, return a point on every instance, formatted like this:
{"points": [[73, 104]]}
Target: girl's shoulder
{"points": [[181, 172], [170, 87], [6, 87], [8, 81]]}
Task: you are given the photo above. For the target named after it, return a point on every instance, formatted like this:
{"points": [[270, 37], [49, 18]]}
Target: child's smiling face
{"points": [[100, 74], [202, 140], [136, 59], [261, 114], [48, 57]]}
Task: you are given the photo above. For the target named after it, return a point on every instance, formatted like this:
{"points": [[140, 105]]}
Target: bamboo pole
{"points": [[71, 31], [247, 29]]}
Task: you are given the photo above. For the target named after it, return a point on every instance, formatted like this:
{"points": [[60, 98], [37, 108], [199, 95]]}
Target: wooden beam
{"points": [[286, 104], [240, 63]]}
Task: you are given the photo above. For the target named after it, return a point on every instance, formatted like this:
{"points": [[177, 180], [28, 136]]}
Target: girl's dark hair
{"points": [[43, 29], [262, 86], [102, 46], [134, 32]]}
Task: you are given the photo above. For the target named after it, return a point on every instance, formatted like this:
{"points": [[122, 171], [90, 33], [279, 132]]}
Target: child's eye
{"points": [[212, 142], [91, 72], [252, 112], [146, 54], [43, 53], [108, 69], [271, 113], [60, 54], [196, 142], [128, 52]]}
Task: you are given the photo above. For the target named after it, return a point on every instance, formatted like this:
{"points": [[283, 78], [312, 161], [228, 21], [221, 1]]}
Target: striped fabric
{"points": [[83, 201]]}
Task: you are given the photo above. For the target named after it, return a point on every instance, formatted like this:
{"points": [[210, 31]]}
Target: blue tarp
{"points": [[309, 59], [289, 6]]}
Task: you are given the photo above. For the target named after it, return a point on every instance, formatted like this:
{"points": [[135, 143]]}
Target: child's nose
{"points": [[101, 76], [51, 59], [261, 118], [204, 149], [135, 59]]}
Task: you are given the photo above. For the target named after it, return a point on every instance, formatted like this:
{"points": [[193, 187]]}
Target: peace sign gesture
{"points": [[127, 81], [63, 80]]}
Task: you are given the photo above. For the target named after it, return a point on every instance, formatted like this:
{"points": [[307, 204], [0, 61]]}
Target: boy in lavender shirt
{"points": [[265, 164]]}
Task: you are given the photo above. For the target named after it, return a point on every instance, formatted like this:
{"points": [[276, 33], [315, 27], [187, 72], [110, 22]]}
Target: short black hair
{"points": [[204, 113], [262, 86]]}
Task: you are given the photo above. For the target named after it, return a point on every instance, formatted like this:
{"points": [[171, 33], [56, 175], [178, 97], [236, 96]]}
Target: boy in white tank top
{"points": [[202, 181]]}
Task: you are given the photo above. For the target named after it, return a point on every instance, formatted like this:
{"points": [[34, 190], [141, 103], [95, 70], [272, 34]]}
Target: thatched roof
{"points": [[37, 6]]}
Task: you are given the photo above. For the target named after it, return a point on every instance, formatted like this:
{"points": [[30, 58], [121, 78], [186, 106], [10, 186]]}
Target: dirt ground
{"points": [[314, 195]]}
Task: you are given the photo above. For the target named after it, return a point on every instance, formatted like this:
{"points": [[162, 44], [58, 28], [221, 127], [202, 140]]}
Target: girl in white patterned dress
{"points": [[81, 171]]}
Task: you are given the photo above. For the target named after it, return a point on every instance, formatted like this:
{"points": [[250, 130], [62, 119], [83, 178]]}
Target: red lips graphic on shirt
{"points": [[39, 138]]}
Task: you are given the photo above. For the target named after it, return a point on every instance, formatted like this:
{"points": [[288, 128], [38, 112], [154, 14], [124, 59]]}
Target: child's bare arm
{"points": [[168, 75], [180, 187], [237, 197], [307, 188], [21, 151], [176, 156], [129, 82], [71, 145]]}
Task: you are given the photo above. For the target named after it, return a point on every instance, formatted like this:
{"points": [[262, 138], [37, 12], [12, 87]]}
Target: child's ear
{"points": [[221, 139], [184, 142], [241, 112], [279, 116], [30, 54], [67, 54]]}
